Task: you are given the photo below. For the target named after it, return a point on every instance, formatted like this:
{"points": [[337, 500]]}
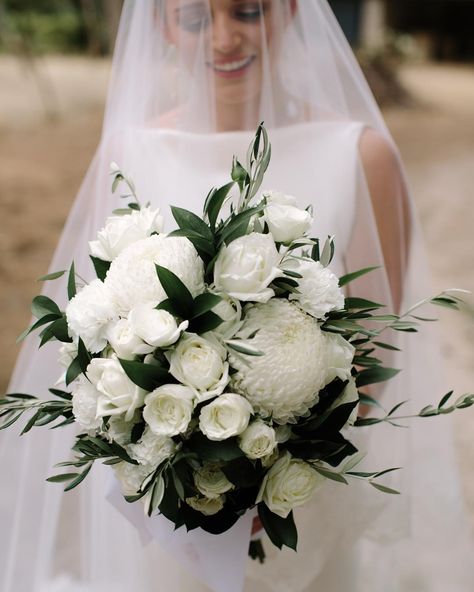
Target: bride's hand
{"points": [[256, 525]]}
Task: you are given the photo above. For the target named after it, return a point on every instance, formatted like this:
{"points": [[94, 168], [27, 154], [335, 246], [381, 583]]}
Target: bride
{"points": [[191, 81]]}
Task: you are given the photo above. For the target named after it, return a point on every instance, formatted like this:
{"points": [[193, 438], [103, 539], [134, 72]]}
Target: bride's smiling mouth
{"points": [[232, 67]]}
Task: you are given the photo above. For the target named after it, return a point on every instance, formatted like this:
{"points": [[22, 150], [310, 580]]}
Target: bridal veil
{"points": [[177, 111]]}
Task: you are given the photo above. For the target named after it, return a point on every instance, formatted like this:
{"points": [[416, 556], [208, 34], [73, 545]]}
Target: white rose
{"points": [[211, 481], [131, 476], [89, 315], [120, 232], [200, 364], [340, 354], [277, 197], [118, 395], [158, 328], [247, 266], [132, 278], [125, 343], [168, 409], [226, 416], [151, 450], [318, 289], [230, 311], [286, 221], [67, 353], [258, 440], [206, 505], [84, 404], [349, 395], [289, 483]]}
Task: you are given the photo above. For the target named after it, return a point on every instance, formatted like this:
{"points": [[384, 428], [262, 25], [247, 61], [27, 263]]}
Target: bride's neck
{"points": [[240, 116]]}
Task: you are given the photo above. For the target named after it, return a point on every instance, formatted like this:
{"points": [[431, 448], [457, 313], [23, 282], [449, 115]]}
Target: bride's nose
{"points": [[225, 34]]}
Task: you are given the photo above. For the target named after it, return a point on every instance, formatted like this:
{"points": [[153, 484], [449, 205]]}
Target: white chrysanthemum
{"points": [[132, 278], [283, 383], [151, 450], [84, 404], [89, 315], [318, 289]]}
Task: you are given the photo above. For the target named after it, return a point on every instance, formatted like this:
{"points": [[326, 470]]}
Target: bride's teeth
{"points": [[232, 66]]}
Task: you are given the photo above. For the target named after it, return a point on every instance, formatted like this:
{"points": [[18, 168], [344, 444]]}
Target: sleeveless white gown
{"points": [[348, 537]]}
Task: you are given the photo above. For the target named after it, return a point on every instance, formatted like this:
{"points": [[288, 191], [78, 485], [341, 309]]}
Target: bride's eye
{"points": [[249, 12], [194, 19]]}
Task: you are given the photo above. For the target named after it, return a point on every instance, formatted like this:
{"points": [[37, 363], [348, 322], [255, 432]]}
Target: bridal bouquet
{"points": [[216, 368]]}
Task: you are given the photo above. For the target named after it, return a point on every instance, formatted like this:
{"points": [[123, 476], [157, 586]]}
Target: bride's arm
{"points": [[389, 200]]}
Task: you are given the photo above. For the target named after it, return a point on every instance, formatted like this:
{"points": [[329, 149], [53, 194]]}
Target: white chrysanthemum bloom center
{"points": [[283, 383], [132, 278]]}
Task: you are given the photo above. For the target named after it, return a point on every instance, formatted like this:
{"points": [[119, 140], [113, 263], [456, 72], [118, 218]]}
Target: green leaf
{"points": [[146, 376], [204, 247], [330, 474], [176, 291], [367, 421], [375, 375], [385, 346], [226, 450], [60, 330], [205, 322], [238, 225], [101, 267], [204, 303], [42, 306], [187, 220], [39, 323], [282, 531], [241, 472], [73, 371], [62, 478], [327, 253], [370, 401], [51, 276], [156, 495], [345, 279], [71, 282], [214, 203], [445, 399], [243, 348], [79, 479], [359, 303], [83, 356], [384, 489]]}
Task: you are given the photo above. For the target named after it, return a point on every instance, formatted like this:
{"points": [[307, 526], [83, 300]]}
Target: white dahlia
{"points": [[132, 278], [283, 383]]}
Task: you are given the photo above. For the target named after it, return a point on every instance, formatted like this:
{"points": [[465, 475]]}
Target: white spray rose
{"points": [[247, 266], [132, 278], [318, 289], [200, 364], [285, 220], [125, 343], [258, 440], [211, 481], [158, 328], [120, 232], [90, 314], [84, 404], [118, 395], [206, 505], [289, 483], [226, 416], [168, 409], [340, 354], [151, 450]]}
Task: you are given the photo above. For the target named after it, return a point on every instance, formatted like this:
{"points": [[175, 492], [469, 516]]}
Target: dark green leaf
{"points": [[39, 323], [214, 203], [241, 472], [62, 478], [187, 220], [359, 303], [330, 475], [59, 329], [204, 303], [205, 322], [226, 450], [176, 291], [79, 479], [282, 531], [345, 279], [384, 489], [73, 371], [42, 306], [386, 346], [445, 399], [101, 267], [375, 375], [146, 376], [71, 282]]}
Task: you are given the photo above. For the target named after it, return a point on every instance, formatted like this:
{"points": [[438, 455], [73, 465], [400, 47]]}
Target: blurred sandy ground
{"points": [[42, 164]]}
